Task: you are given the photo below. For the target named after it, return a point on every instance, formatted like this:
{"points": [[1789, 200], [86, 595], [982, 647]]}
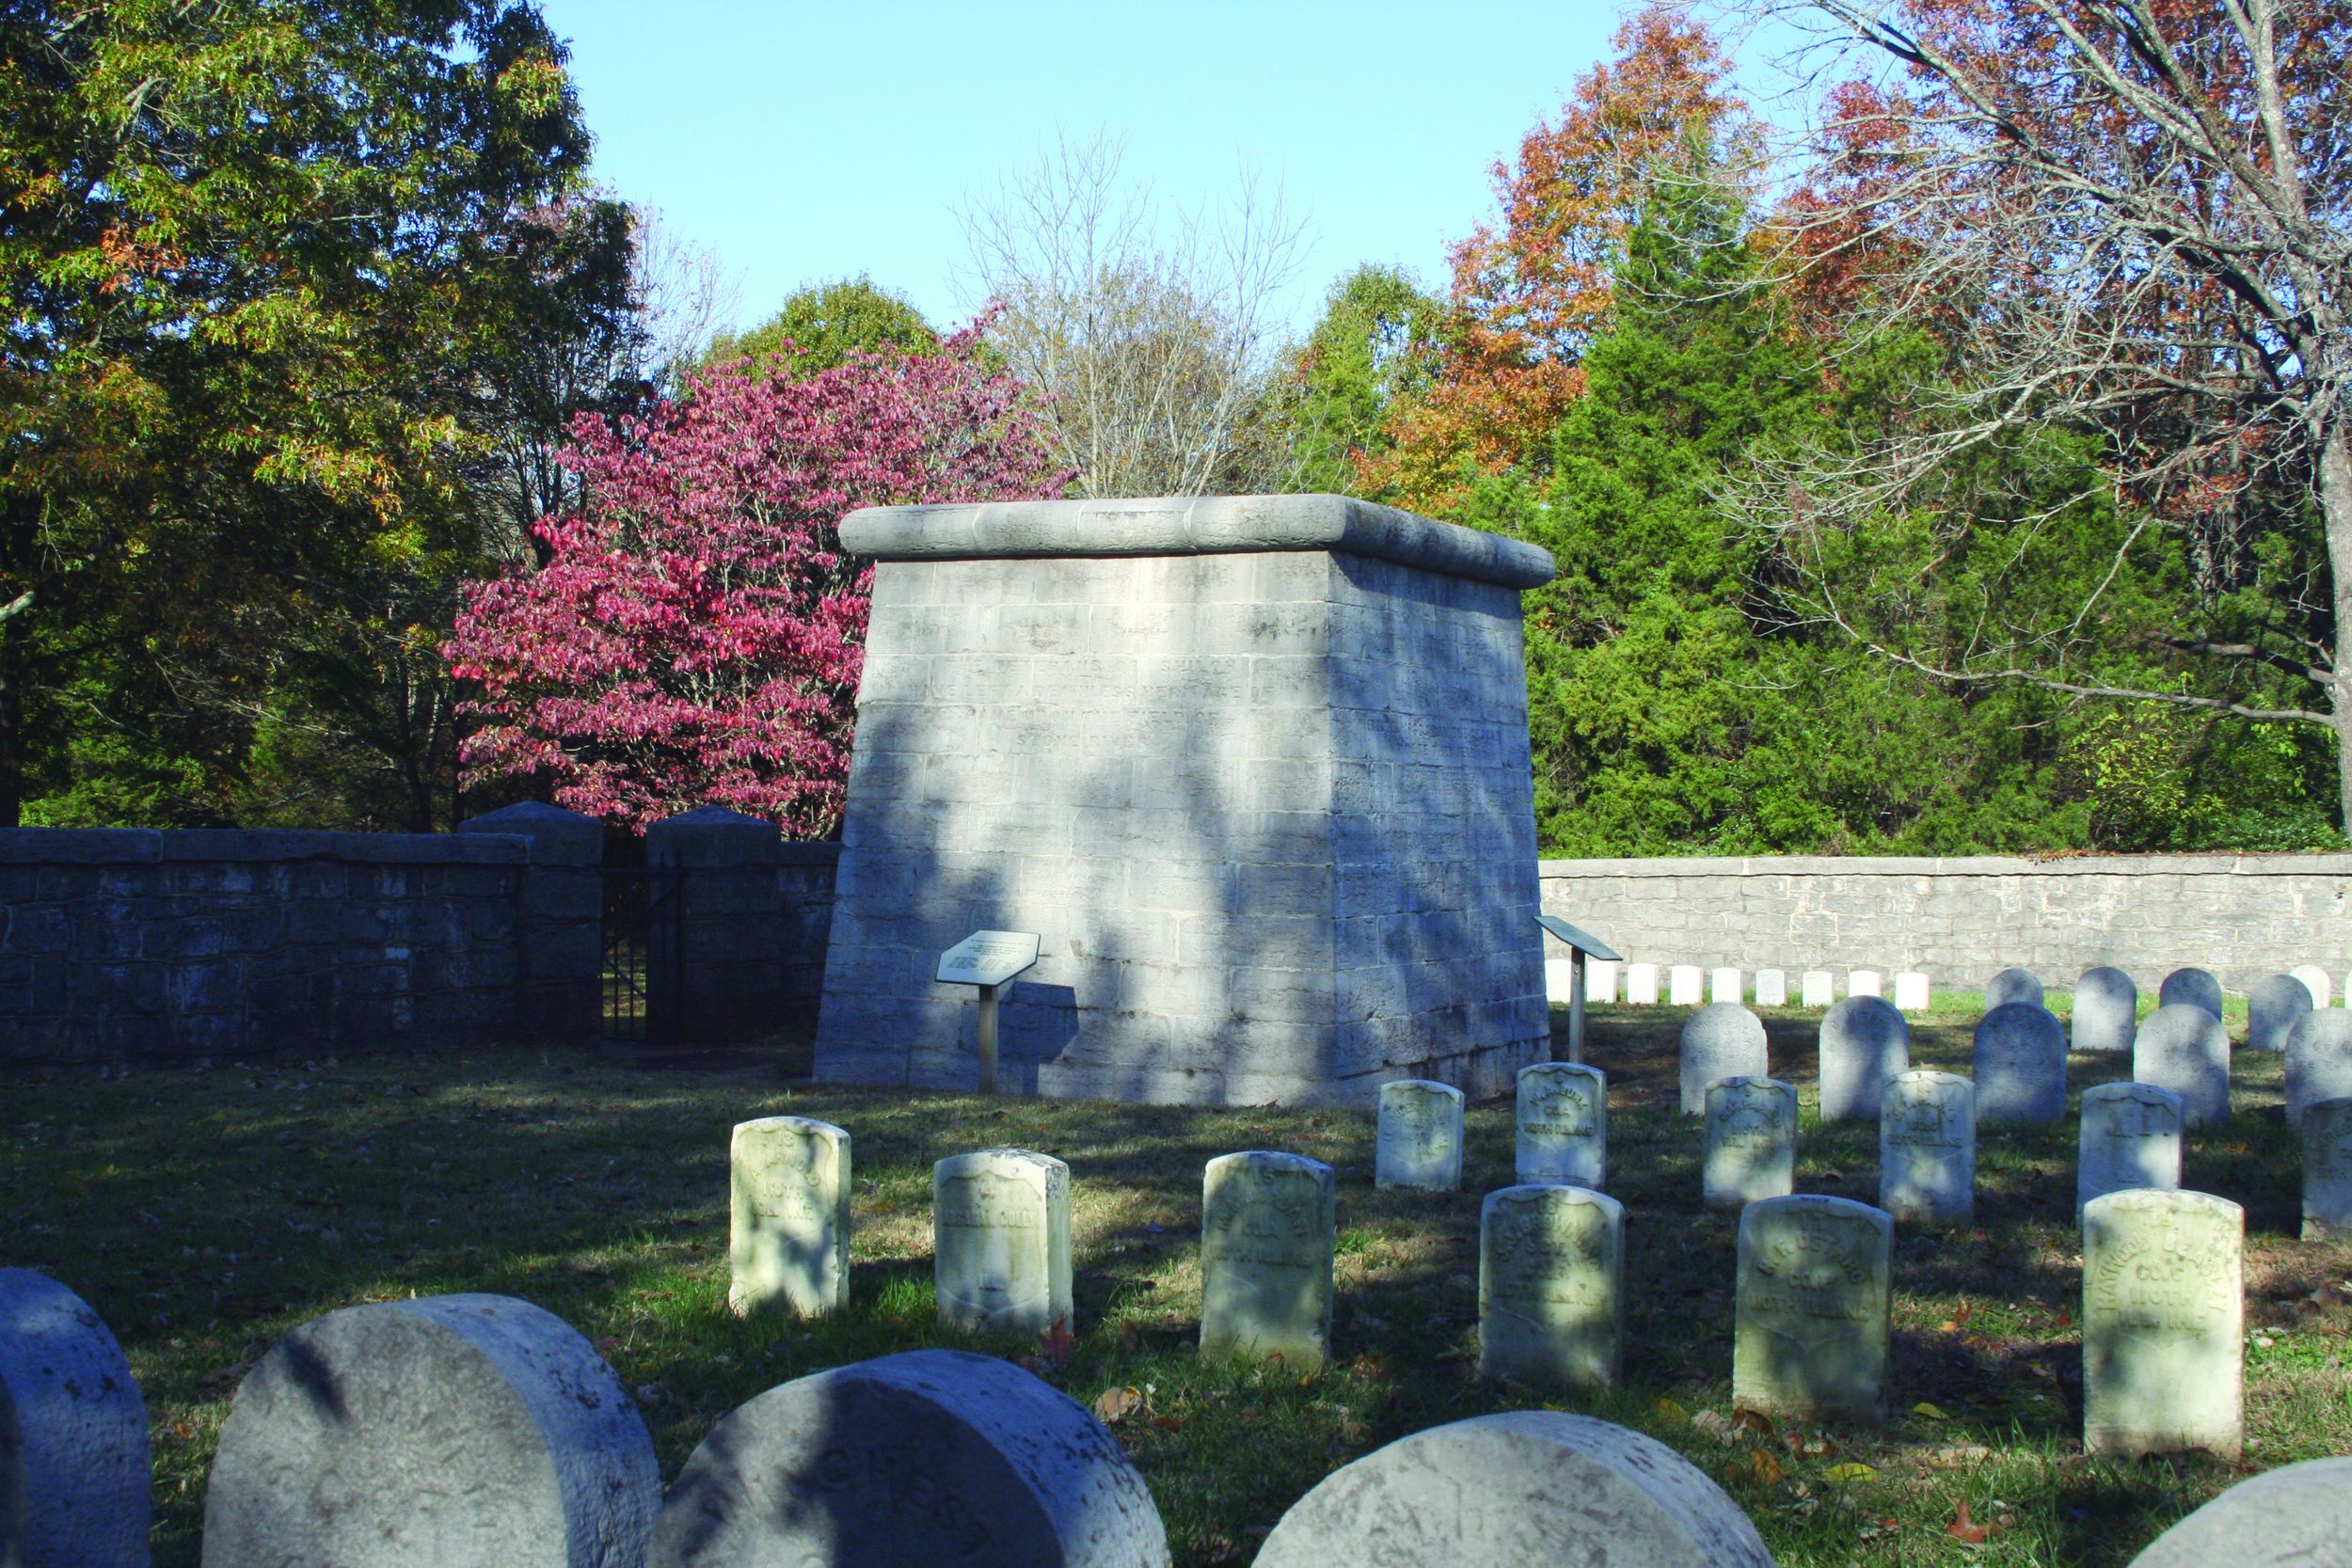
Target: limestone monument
{"points": [[1688, 984], [1640, 985], [931, 1456], [2316, 981], [2130, 1137], [1000, 1241], [1863, 1043], [788, 1216], [1268, 1223], [1751, 1141], [1550, 1286], [1820, 987], [2318, 1060], [2325, 1126], [2018, 1064], [1420, 1139], [1771, 988], [74, 1465], [1254, 768], [2183, 1048], [2013, 985], [1723, 1041], [2273, 1006], [2194, 987], [1563, 1124], [1723, 985], [1928, 1149], [1521, 1489], [2295, 1516], [462, 1430], [1863, 982], [2106, 1010], [1811, 1313], [1911, 992], [2164, 1315]]}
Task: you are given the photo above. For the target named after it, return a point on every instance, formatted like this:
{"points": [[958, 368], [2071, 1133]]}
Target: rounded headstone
{"points": [[2273, 1006], [1720, 1041], [1524, 1489], [2183, 1048], [73, 1457], [788, 1216], [2316, 981], [458, 1431], [2106, 1010], [2318, 1060], [1269, 1225], [1419, 1144], [1864, 1041], [1000, 1241], [1551, 1286], [931, 1456], [2192, 987], [2019, 1064], [1751, 1141], [2013, 985], [1686, 984], [2325, 1126], [1563, 1123], [2164, 1320], [2294, 1517], [2130, 1137], [1928, 1148], [1812, 1309]]}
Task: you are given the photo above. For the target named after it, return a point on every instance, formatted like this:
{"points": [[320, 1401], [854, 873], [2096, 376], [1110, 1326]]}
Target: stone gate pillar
{"points": [[715, 948], [1255, 769]]}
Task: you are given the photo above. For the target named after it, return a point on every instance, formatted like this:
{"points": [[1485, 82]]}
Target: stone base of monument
{"points": [[462, 1430], [933, 1456]]}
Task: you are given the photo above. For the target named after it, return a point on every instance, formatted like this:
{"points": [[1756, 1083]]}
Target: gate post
{"points": [[715, 951], [559, 946]]}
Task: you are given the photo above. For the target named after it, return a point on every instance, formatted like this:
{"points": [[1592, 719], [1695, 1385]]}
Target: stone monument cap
{"points": [[1192, 525], [1583, 942], [987, 958]]}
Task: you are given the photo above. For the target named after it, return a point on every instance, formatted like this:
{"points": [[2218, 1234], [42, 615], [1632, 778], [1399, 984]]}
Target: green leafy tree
{"points": [[820, 327], [1376, 344]]}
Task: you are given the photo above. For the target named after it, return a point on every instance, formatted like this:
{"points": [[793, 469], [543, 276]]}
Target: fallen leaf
{"points": [[1761, 1467], [1114, 1405], [1055, 1342], [1957, 1458], [1755, 1420], [1848, 1471], [1669, 1411], [1715, 1425], [1966, 1531], [1927, 1412]]}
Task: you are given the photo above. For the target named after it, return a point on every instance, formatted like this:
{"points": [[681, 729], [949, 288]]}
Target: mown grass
{"points": [[206, 1213]]}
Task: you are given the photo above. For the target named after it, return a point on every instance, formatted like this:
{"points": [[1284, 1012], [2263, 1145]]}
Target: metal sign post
{"points": [[1581, 945], [987, 960]]}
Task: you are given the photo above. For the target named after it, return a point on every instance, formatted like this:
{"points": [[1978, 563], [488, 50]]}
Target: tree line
{"points": [[1964, 471]]}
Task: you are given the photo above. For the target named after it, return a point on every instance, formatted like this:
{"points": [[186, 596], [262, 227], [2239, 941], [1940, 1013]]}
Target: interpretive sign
{"points": [[987, 960]]}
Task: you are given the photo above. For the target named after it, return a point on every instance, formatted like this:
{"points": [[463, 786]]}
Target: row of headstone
{"points": [[1690, 986]]}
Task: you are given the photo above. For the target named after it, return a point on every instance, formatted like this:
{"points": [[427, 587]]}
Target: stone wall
{"points": [[1962, 920]]}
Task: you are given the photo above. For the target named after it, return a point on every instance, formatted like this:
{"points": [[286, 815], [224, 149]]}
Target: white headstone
{"points": [[1420, 1139], [1562, 1121], [2194, 987], [2294, 1517], [1550, 1286], [2316, 981], [2273, 1006], [1522, 1489], [2183, 1048], [1751, 1141], [1820, 987], [2013, 985], [1688, 985], [788, 1216], [1268, 1224], [465, 1432], [1600, 980], [1863, 1043], [2130, 1137], [2018, 1063], [1640, 985], [1911, 992], [2106, 1010], [1560, 981], [2327, 1129], [2164, 1317], [1862, 982], [1811, 1313], [931, 1456], [1928, 1149], [1000, 1241], [1723, 985], [1723, 1041], [2318, 1060], [1771, 988], [74, 1465]]}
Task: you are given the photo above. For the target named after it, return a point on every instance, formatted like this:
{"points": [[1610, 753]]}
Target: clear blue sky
{"points": [[806, 142]]}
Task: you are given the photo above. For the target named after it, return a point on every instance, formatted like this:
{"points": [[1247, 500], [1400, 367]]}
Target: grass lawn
{"points": [[206, 1213]]}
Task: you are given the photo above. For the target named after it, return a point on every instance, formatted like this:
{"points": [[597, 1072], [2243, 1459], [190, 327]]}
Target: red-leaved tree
{"points": [[696, 634]]}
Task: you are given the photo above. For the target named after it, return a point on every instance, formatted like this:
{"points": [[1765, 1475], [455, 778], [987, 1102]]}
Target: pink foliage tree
{"points": [[696, 634]]}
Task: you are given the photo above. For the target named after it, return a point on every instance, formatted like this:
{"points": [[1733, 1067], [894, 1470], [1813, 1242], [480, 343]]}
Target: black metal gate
{"points": [[641, 942]]}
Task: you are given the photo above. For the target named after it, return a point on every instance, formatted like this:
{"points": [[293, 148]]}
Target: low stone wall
{"points": [[1962, 919]]}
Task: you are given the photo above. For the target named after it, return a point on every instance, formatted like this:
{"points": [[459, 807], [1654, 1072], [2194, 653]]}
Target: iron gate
{"points": [[639, 944]]}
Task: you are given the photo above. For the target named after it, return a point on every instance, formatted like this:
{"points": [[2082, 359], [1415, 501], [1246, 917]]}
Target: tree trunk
{"points": [[12, 647], [2335, 506]]}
